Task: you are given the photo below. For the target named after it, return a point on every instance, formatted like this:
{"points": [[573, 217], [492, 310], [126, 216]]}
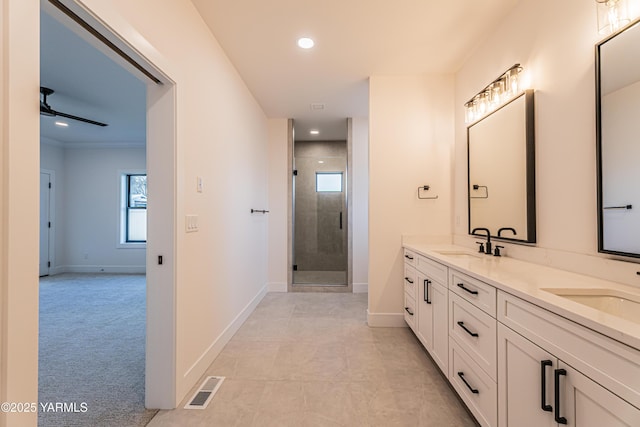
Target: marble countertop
{"points": [[529, 281]]}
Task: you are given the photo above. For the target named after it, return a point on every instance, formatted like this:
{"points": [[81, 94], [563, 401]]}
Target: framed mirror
{"points": [[618, 150], [501, 162]]}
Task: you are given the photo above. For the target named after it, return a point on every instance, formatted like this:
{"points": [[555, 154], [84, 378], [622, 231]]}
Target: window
{"points": [[329, 181], [134, 208]]}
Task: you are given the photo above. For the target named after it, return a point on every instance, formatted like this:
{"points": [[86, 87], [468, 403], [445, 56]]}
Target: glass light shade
{"points": [[476, 108], [512, 82], [612, 15], [495, 94], [483, 103], [468, 112]]}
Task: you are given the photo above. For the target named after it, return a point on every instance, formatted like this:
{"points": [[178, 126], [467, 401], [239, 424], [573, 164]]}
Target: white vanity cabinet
{"points": [[472, 345], [554, 372], [432, 311], [425, 297], [410, 285], [513, 362]]}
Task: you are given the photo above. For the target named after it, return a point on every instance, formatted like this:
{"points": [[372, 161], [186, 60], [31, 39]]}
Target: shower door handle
{"points": [[340, 220]]}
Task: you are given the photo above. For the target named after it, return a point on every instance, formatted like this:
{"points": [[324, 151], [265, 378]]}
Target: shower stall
{"points": [[320, 235]]}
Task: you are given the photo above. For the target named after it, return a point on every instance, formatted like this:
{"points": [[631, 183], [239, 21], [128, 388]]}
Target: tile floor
{"points": [[309, 359]]}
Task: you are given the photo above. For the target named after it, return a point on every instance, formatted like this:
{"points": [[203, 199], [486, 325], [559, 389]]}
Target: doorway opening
{"points": [[320, 212], [113, 168]]}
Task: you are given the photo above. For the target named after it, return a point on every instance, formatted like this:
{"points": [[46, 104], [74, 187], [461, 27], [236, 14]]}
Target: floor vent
{"points": [[205, 393]]}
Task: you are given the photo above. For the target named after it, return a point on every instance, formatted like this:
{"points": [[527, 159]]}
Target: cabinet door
{"points": [[520, 381], [585, 403], [439, 297], [425, 311]]}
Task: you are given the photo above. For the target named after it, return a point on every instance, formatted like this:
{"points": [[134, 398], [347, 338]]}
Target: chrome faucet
{"points": [[488, 244]]}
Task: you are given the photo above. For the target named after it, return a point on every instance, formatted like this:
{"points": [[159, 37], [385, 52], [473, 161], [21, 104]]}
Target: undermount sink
{"points": [[617, 303], [460, 254]]}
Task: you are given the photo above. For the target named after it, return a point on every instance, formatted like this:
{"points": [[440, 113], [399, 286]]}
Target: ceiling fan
{"points": [[46, 110]]}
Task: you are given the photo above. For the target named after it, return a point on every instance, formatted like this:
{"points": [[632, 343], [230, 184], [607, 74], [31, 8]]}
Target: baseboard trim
{"points": [[386, 320], [121, 269], [360, 288], [277, 287], [56, 270], [193, 374]]}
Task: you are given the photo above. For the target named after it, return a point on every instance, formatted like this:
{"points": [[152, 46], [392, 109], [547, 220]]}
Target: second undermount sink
{"points": [[617, 303], [458, 254]]}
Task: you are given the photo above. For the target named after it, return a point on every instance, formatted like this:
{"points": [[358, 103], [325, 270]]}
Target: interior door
{"points": [[45, 222]]}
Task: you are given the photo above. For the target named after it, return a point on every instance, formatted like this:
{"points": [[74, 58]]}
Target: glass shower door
{"points": [[320, 216]]}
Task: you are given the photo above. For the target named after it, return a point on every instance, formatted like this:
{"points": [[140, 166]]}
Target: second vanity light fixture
{"points": [[495, 94], [612, 15]]}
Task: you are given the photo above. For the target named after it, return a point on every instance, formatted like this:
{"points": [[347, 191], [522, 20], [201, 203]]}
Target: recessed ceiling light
{"points": [[314, 132], [320, 161], [62, 124], [305, 43]]}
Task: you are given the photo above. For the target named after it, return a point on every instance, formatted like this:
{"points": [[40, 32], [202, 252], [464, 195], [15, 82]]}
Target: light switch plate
{"points": [[199, 184], [191, 223]]}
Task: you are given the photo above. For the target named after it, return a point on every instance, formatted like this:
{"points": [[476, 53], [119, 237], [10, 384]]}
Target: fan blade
{"points": [[80, 119]]}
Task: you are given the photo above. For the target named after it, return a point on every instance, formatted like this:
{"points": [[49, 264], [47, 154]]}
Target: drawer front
{"points": [[410, 313], [433, 270], [410, 281], [409, 257], [475, 291], [475, 387], [475, 331], [610, 363]]}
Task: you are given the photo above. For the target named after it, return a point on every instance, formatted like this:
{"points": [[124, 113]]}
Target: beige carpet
{"points": [[92, 350]]}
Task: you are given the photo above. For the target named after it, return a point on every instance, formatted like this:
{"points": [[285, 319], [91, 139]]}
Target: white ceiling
{"points": [[88, 84], [354, 39]]}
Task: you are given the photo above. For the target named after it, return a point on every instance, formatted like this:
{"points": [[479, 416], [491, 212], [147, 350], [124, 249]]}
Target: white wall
{"points": [[278, 204], [90, 187], [410, 140], [221, 137], [360, 200], [20, 207], [554, 41], [85, 227]]}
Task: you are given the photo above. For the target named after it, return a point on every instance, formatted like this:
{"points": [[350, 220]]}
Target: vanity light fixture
{"points": [[495, 94], [612, 15]]}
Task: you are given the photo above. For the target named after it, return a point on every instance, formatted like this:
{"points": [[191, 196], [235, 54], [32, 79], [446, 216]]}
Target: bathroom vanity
{"points": [[524, 344]]}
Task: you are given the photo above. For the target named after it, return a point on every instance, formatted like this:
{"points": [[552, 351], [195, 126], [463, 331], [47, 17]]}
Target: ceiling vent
{"points": [[317, 107]]}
